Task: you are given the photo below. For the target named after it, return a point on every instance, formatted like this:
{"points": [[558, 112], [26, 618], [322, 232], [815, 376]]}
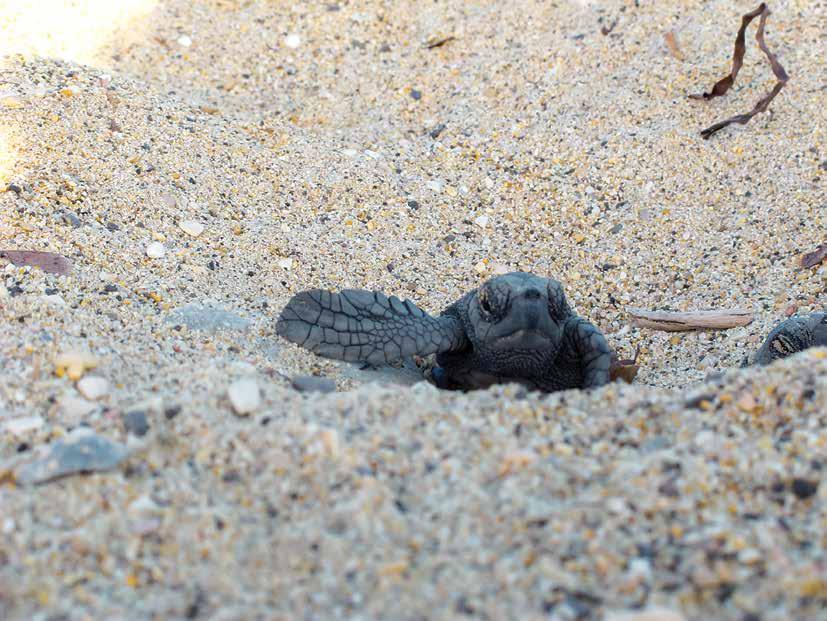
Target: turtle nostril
{"points": [[532, 294]]}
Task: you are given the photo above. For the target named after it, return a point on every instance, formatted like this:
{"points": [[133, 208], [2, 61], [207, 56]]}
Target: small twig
{"points": [[723, 85], [672, 43], [694, 320], [432, 43]]}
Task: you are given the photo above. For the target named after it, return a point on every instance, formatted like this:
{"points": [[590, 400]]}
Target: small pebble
{"points": [[155, 250], [146, 526], [292, 40], [747, 403], [750, 556], [803, 488], [71, 219], [515, 461], [11, 102], [648, 614], [184, 41], [206, 318], [191, 227], [244, 395], [93, 387], [312, 383], [53, 300], [23, 425], [136, 423], [73, 364], [75, 409], [436, 131]]}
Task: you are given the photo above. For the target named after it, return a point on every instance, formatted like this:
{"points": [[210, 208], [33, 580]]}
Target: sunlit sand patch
{"points": [[9, 149], [7, 155], [75, 30], [72, 30]]}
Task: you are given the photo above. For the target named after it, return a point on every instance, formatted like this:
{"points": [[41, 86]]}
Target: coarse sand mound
{"points": [[199, 163]]}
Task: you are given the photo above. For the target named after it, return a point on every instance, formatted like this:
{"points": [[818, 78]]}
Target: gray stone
{"points": [[136, 422], [81, 451], [71, 219], [206, 318], [312, 383], [655, 444]]}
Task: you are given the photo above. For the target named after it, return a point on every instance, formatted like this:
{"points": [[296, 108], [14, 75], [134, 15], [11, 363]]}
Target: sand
{"points": [[201, 163]]}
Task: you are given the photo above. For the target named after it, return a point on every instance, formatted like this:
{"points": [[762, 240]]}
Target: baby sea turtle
{"points": [[516, 327], [792, 336]]}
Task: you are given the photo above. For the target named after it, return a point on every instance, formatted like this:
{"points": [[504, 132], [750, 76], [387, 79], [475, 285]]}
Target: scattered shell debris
{"points": [[93, 387], [155, 250], [245, 396], [73, 364], [192, 228]]}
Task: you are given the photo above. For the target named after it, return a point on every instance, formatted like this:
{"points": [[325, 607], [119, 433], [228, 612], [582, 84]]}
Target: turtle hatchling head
{"points": [[518, 313], [819, 328]]}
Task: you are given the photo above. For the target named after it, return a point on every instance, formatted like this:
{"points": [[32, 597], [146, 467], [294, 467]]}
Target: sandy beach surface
{"points": [[199, 163]]}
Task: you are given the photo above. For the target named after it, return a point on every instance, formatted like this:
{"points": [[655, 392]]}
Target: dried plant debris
{"points": [[47, 261], [437, 41], [672, 43], [811, 259], [625, 369], [670, 321], [723, 85], [605, 30]]}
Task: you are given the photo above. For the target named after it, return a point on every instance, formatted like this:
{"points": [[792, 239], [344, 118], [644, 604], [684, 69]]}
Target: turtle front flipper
{"points": [[366, 326], [590, 346], [792, 336]]}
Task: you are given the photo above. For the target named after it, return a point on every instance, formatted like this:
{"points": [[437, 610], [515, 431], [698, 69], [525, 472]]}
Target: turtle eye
{"points": [[484, 302], [558, 307]]}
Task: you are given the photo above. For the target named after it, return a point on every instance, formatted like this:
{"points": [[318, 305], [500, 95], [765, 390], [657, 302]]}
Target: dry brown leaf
{"points": [[811, 259], [723, 85], [7, 477], [625, 369], [47, 261]]}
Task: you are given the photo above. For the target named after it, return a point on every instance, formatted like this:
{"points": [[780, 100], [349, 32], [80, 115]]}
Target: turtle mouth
{"points": [[524, 339]]}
